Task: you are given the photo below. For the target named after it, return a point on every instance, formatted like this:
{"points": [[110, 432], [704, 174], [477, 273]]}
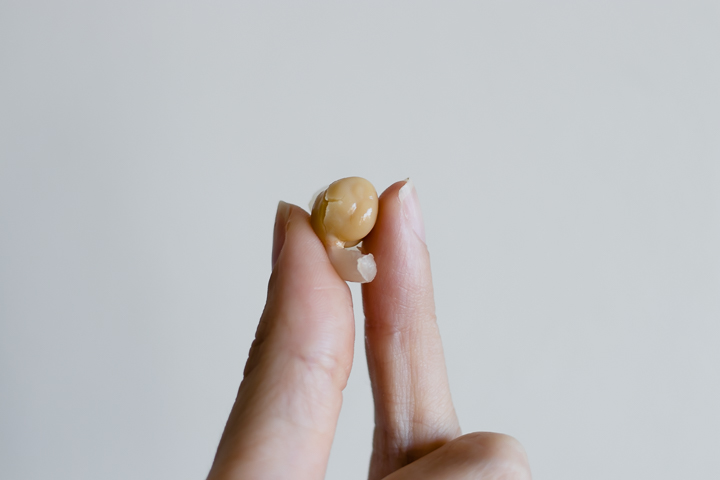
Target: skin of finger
{"points": [[414, 413], [284, 418], [475, 456]]}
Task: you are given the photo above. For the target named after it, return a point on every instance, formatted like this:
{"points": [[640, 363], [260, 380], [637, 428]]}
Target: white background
{"points": [[567, 157]]}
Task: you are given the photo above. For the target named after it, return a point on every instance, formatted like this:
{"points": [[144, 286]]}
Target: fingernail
{"points": [[410, 205], [281, 218]]}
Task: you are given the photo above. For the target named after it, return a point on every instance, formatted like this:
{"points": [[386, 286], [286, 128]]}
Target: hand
{"points": [[283, 421]]}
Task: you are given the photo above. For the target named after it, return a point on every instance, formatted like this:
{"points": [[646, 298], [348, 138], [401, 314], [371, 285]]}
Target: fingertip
{"points": [[397, 240], [302, 269], [289, 218], [410, 206], [393, 189]]}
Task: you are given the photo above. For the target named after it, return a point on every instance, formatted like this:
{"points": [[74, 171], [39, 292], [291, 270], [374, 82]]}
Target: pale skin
{"points": [[284, 418]]}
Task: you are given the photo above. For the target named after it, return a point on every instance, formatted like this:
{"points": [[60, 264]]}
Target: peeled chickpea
{"points": [[345, 212], [342, 215]]}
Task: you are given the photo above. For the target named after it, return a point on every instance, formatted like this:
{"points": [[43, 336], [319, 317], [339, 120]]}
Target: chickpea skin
{"points": [[342, 215]]}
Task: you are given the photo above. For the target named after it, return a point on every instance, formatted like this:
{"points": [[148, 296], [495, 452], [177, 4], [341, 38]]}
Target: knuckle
{"points": [[323, 366], [498, 456]]}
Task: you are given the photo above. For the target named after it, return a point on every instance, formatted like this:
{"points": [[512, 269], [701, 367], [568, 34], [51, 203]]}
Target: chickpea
{"points": [[342, 215]]}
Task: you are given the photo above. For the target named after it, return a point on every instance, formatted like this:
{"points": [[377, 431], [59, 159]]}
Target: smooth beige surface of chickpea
{"points": [[342, 215], [345, 212]]}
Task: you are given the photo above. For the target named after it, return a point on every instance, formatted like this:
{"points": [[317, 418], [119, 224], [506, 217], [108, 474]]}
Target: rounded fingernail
{"points": [[410, 205], [281, 218]]}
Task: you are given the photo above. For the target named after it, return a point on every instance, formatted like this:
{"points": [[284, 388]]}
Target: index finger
{"points": [[284, 418], [414, 413]]}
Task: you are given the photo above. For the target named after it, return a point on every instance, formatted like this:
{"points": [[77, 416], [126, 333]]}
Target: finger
{"points": [[284, 418], [475, 456], [414, 413]]}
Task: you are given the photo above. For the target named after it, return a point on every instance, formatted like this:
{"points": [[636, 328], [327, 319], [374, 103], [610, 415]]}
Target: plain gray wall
{"points": [[567, 157]]}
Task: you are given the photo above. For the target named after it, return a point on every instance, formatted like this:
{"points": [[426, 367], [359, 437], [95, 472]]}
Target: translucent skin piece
{"points": [[342, 216], [352, 265]]}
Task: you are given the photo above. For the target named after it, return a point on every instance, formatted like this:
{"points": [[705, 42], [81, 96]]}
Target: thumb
{"points": [[283, 421]]}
